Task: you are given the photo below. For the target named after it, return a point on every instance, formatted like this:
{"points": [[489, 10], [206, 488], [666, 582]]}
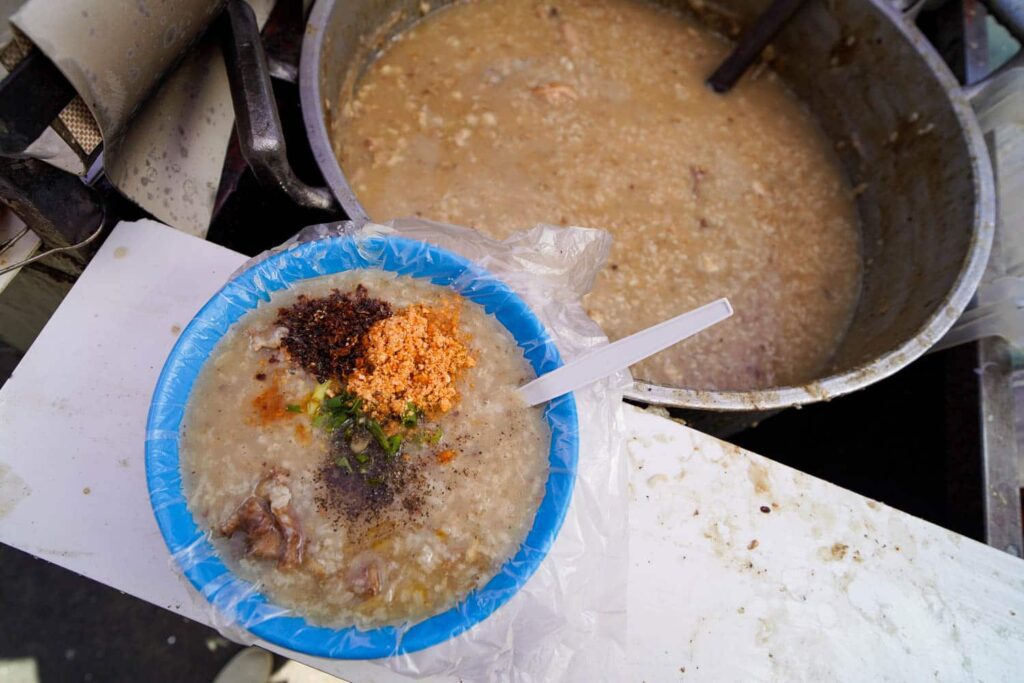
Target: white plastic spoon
{"points": [[619, 355]]}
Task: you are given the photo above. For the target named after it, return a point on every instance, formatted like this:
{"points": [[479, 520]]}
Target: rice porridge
{"points": [[356, 448], [501, 114]]}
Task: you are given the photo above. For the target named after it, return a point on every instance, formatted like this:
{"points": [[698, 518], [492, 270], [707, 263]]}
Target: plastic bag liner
{"points": [[556, 610]]}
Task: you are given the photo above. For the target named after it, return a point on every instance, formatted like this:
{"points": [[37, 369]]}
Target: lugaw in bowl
{"points": [[337, 456]]}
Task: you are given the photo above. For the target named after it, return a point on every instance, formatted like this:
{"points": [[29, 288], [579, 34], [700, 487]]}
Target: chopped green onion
{"points": [[334, 402], [344, 412], [411, 415], [376, 431], [390, 444], [342, 461], [292, 408], [320, 392]]}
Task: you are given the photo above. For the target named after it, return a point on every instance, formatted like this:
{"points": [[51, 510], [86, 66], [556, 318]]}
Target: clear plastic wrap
{"points": [[556, 611]]}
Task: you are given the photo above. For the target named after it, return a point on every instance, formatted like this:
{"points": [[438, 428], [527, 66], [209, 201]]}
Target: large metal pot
{"points": [[903, 128]]}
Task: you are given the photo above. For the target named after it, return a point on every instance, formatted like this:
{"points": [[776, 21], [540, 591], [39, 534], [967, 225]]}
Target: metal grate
{"points": [[76, 125]]}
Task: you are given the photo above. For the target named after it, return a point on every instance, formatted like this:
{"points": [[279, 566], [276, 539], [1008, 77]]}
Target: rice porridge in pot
{"points": [[500, 114], [356, 448]]}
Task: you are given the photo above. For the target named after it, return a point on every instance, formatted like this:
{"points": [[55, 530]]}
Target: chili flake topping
{"points": [[325, 334]]}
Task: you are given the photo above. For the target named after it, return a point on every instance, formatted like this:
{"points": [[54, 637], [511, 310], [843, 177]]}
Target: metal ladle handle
{"points": [[750, 44], [260, 134]]}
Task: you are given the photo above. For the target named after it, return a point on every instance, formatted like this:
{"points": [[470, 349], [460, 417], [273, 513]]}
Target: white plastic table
{"points": [[740, 569]]}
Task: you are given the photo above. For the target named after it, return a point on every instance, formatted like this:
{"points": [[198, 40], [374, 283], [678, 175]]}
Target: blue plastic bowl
{"points": [[239, 599]]}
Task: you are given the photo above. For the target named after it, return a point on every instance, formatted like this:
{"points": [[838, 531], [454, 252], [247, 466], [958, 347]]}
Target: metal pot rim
{"points": [[313, 116], [766, 399]]}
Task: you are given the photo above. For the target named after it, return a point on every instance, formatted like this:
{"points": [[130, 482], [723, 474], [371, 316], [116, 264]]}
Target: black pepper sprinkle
{"points": [[375, 489], [260, 376], [765, 509]]}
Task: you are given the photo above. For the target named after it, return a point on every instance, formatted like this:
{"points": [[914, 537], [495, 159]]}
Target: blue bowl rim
{"points": [[246, 291]]}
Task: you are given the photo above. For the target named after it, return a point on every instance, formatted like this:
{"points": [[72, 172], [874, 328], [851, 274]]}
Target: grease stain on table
{"points": [[13, 490]]}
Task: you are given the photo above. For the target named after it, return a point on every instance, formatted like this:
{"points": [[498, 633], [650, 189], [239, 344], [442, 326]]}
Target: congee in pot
{"points": [[357, 449], [500, 114]]}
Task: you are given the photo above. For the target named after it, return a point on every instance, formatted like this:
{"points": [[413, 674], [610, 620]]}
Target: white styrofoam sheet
{"points": [[835, 587]]}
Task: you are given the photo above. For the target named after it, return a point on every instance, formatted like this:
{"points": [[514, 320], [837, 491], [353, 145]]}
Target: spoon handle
{"points": [[619, 355]]}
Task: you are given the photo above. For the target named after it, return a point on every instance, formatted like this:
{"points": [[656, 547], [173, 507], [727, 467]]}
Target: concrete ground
{"points": [[79, 630]]}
